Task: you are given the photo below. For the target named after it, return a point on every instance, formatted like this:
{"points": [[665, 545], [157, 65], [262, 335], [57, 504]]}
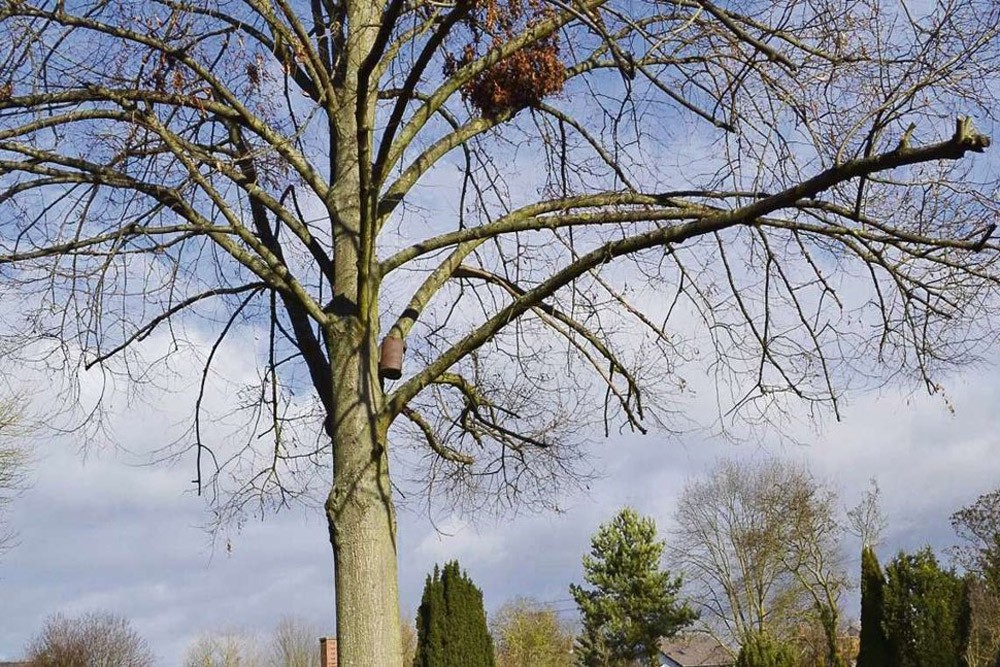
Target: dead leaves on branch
{"points": [[522, 79]]}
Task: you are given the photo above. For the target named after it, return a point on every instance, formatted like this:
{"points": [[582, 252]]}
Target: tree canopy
{"points": [[13, 462], [978, 525], [447, 225], [759, 544], [923, 612], [96, 639]]}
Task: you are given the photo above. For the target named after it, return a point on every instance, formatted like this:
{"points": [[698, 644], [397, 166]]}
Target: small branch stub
{"points": [[390, 360], [967, 137]]}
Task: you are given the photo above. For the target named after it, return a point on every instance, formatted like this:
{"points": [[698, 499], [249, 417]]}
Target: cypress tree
{"points": [[430, 623], [875, 649], [451, 622]]}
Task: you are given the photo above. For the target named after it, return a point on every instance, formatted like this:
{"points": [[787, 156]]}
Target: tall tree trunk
{"points": [[830, 619], [360, 512]]}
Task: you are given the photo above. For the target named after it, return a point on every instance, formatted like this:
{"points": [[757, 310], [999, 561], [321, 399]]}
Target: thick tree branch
{"points": [[964, 140]]}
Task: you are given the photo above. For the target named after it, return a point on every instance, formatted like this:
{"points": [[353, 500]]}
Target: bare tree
{"points": [[294, 643], [759, 545], [96, 639], [226, 649], [978, 526], [408, 639], [769, 190], [813, 554], [866, 519], [12, 465], [984, 634]]}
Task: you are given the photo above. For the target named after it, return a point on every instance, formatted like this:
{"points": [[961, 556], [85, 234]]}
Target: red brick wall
{"points": [[328, 652]]}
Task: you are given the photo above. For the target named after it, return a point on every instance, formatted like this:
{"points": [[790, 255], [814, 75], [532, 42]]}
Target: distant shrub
{"points": [[97, 639], [761, 650]]}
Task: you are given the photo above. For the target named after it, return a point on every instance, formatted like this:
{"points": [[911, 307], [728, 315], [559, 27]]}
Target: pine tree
{"points": [[633, 603], [451, 622], [591, 646], [875, 650], [761, 650]]}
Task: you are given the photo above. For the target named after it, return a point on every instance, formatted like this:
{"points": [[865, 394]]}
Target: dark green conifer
{"points": [[875, 650], [922, 612], [965, 620], [451, 622]]}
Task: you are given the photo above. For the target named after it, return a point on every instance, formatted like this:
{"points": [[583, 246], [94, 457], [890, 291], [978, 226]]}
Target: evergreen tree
{"points": [[762, 650], [875, 650], [633, 603], [965, 620], [592, 649], [451, 622], [430, 620], [922, 611]]}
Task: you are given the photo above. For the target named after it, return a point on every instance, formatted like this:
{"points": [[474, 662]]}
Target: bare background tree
{"points": [[13, 461], [294, 643], [866, 520], [759, 548], [226, 649], [96, 639], [815, 556], [540, 204], [978, 526], [408, 639]]}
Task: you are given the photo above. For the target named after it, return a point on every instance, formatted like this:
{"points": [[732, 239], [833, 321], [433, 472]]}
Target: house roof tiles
{"points": [[696, 651]]}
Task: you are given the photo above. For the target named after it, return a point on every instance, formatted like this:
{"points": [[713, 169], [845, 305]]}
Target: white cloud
{"points": [[106, 533], [460, 539], [109, 534]]}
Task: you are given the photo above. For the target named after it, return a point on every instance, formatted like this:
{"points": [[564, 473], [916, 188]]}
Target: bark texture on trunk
{"points": [[361, 518], [359, 509]]}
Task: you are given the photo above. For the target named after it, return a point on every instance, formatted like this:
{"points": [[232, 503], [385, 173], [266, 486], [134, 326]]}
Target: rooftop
{"points": [[696, 651]]}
